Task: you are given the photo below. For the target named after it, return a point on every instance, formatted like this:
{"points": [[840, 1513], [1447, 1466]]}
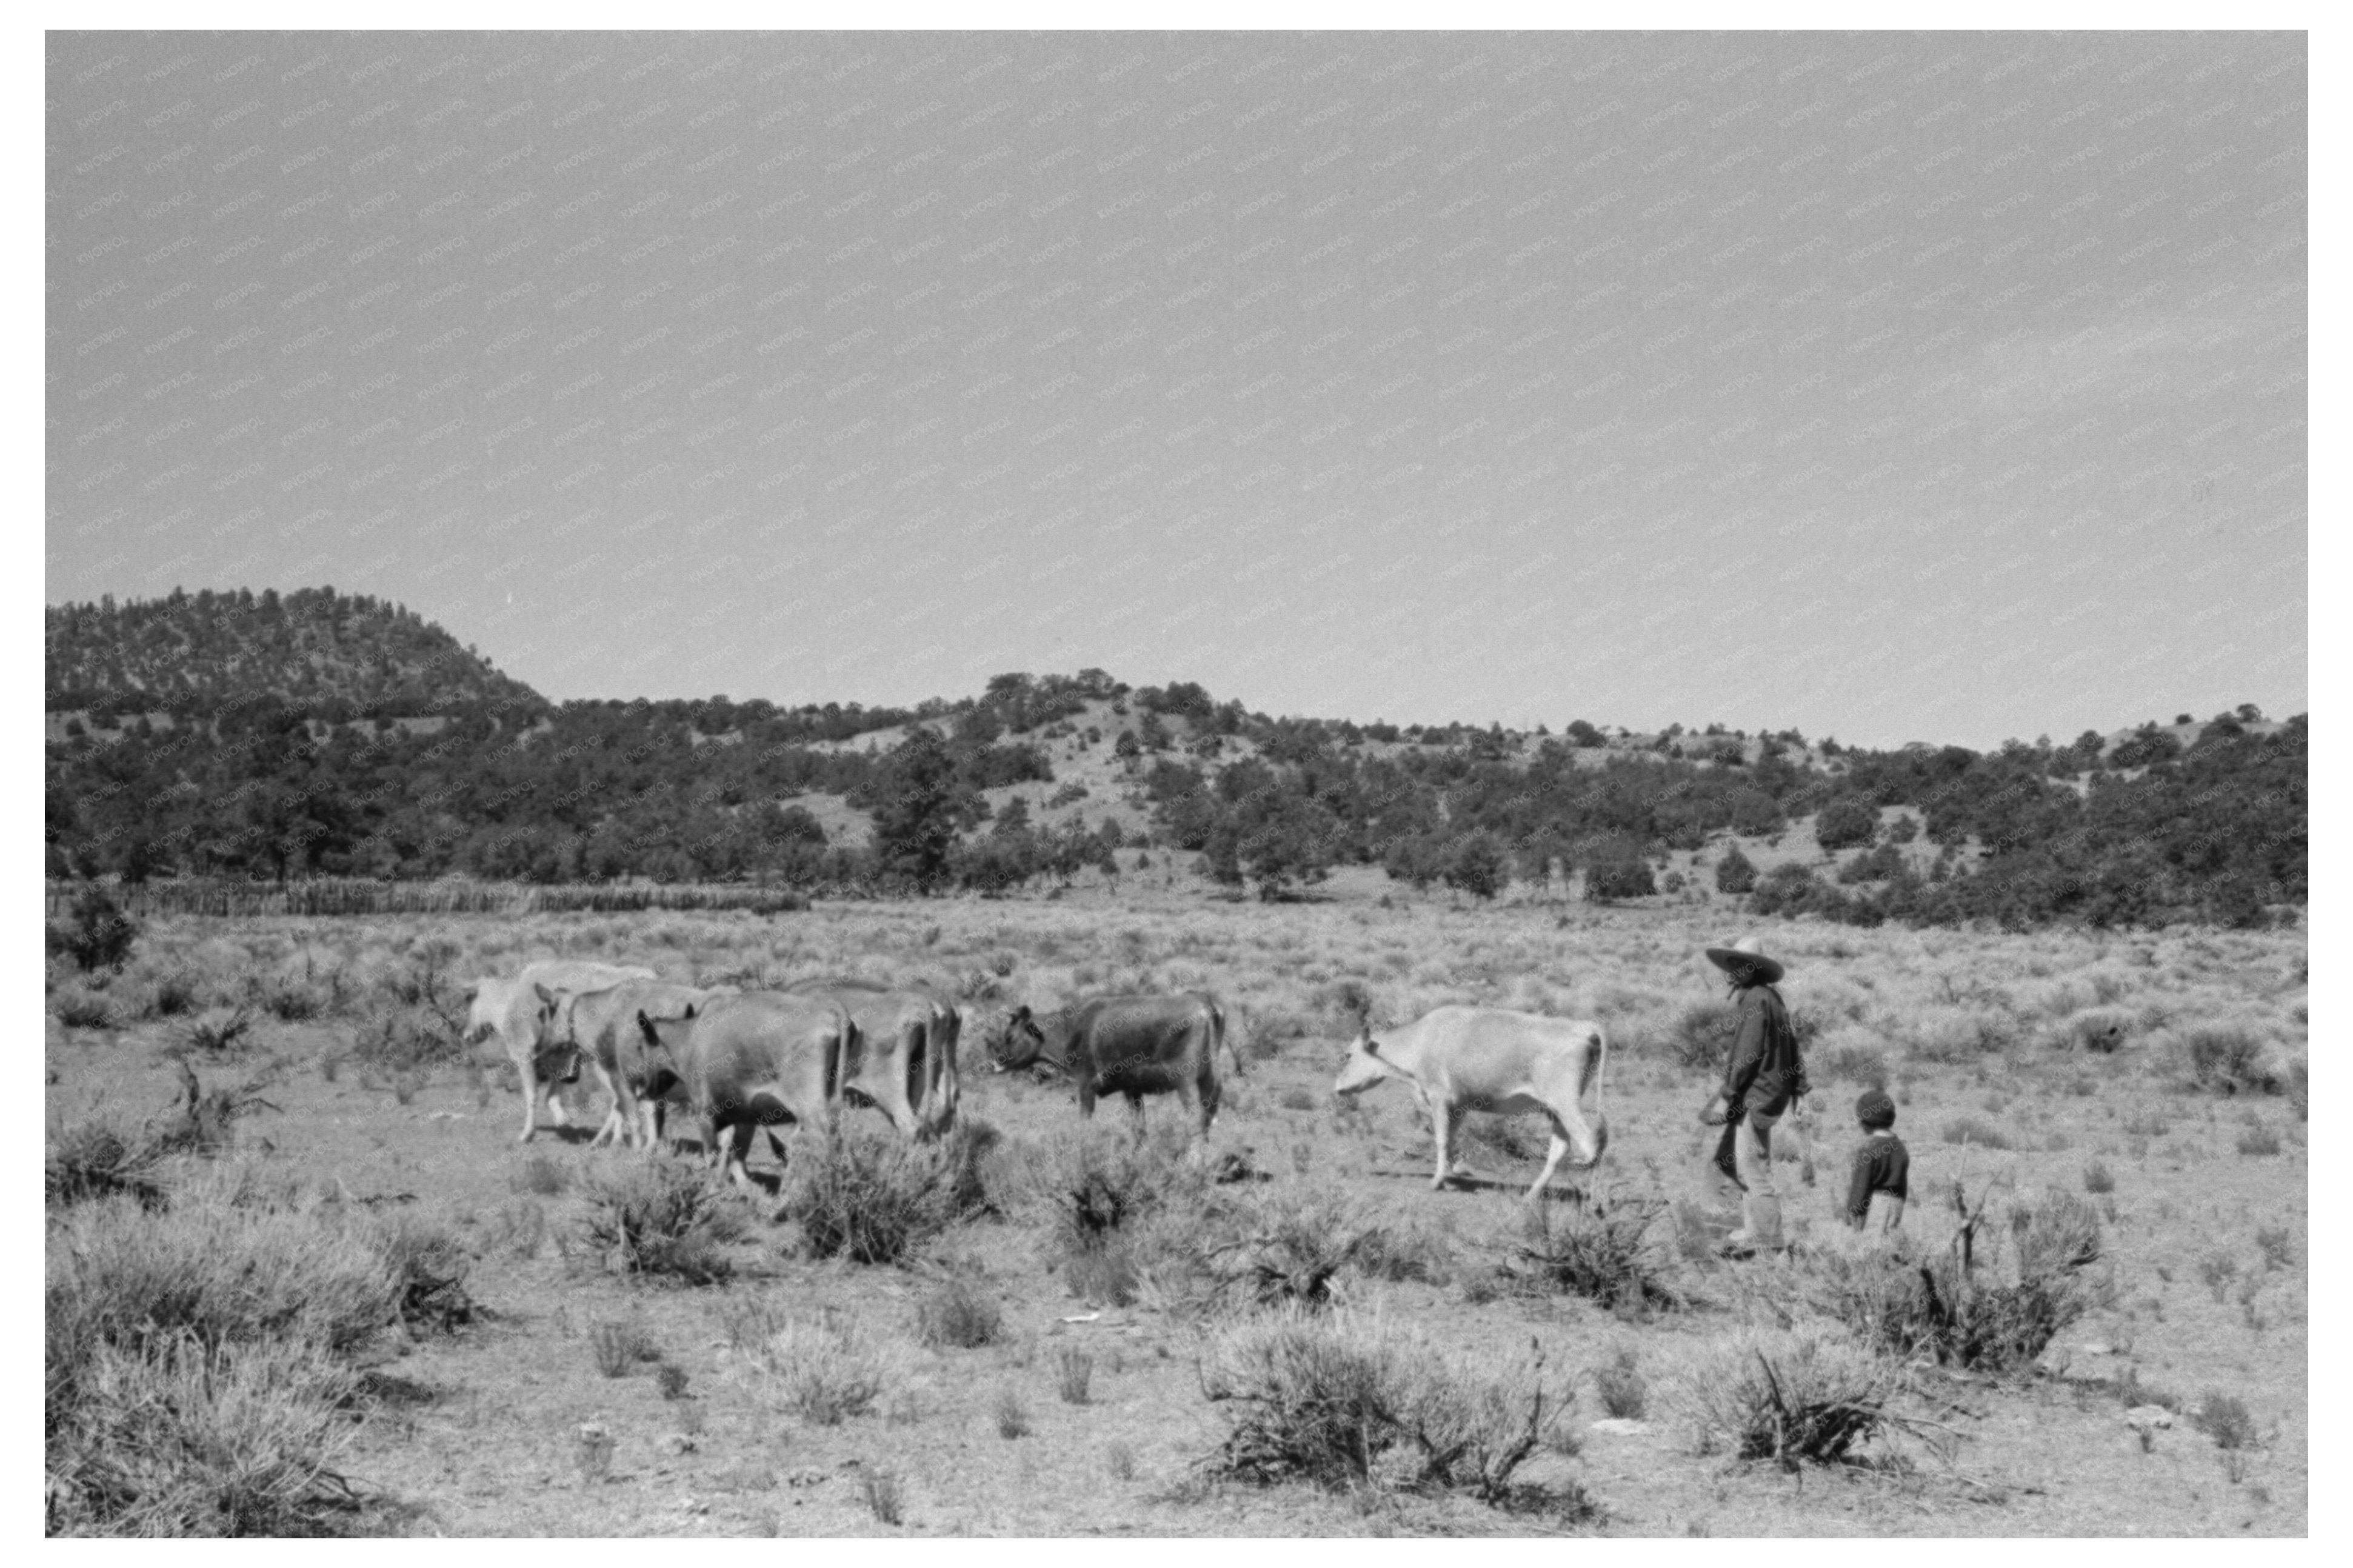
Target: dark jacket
{"points": [[1881, 1166], [1765, 1071]]}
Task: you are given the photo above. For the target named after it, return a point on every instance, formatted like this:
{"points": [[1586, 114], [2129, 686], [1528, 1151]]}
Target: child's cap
{"points": [[1874, 1109]]}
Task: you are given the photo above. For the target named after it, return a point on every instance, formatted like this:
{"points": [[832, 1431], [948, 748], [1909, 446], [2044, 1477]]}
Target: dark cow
{"points": [[749, 1060], [1132, 1045]]}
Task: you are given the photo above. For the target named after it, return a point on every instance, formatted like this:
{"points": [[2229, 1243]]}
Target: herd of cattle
{"points": [[740, 1059]]}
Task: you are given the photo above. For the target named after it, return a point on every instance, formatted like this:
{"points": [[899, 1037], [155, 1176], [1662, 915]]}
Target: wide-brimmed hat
{"points": [[1748, 953]]}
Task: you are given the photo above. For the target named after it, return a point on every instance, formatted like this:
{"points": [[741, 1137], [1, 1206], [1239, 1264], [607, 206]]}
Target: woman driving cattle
{"points": [[1763, 1077]]}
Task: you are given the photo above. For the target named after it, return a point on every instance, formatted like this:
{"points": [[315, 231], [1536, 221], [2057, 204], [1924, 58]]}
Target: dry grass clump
{"points": [[1620, 1382], [663, 1222], [1343, 1401], [826, 1368], [618, 1346], [1794, 1398], [1600, 1249], [103, 1154], [1991, 1301], [2225, 1418], [1105, 1191]]}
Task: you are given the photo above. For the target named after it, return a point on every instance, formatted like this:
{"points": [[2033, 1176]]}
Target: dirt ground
{"points": [[479, 1429]]}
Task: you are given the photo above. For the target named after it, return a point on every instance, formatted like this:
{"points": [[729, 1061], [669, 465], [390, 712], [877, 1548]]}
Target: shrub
{"points": [[870, 1197], [1073, 1368], [1701, 1037], [219, 1034], [2258, 1142], [97, 934], [826, 1369], [1297, 1099], [2226, 1058], [671, 1379], [196, 1368], [958, 1313], [1618, 879], [663, 1221], [103, 1156], [2278, 1244], [1622, 1386], [880, 1488], [2098, 1178], [428, 1265], [1865, 1065], [1120, 1460], [1341, 1402], [175, 994], [2224, 1418], [78, 1007], [542, 1177], [1012, 1415], [2218, 1270], [1734, 873], [1970, 1130], [618, 1347], [1795, 1398], [1992, 1301], [1596, 1249]]}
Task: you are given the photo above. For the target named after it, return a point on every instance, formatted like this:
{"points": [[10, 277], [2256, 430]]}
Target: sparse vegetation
{"points": [[1601, 1251], [826, 1369], [957, 1313]]}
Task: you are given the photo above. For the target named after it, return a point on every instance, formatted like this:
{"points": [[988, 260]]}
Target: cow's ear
{"points": [[688, 1015], [1372, 1046], [546, 997]]}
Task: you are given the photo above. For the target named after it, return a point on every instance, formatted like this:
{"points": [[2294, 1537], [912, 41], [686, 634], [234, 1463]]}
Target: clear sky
{"points": [[1894, 386]]}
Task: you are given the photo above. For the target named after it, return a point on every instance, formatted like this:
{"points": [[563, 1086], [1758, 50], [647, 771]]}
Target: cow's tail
{"points": [[1599, 1069], [1218, 1028]]}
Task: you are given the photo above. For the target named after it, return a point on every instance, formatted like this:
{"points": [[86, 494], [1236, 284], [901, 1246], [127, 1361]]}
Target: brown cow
{"points": [[753, 1059], [906, 1063]]}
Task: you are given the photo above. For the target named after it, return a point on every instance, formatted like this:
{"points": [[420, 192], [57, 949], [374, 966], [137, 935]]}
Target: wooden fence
{"points": [[328, 897]]}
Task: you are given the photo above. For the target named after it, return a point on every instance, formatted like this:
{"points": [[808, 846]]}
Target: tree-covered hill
{"points": [[2194, 820], [332, 656]]}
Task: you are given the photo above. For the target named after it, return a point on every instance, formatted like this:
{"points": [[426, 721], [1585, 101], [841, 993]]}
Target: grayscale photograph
{"points": [[1168, 783]]}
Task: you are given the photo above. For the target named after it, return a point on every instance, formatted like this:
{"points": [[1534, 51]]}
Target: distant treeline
{"points": [[256, 780]]}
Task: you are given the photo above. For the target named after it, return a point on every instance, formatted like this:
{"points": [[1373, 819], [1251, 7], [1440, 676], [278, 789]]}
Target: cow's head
{"points": [[1365, 1067], [1019, 1042]]}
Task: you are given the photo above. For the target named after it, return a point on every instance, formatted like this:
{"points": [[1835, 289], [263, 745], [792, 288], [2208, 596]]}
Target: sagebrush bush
{"points": [[1792, 1398], [958, 1313], [1599, 1250], [1620, 1382], [827, 1368], [429, 1265], [2259, 1141], [103, 1155], [1991, 1301], [80, 1007], [1700, 1041], [197, 1367], [871, 1197], [1347, 1401], [2098, 1178], [618, 1346], [1073, 1367], [663, 1221], [2224, 1417], [2226, 1058], [1973, 1130]]}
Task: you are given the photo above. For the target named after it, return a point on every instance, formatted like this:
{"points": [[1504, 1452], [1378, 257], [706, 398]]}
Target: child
{"points": [[1883, 1168]]}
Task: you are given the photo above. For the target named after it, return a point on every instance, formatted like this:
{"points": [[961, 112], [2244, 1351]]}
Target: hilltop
{"points": [[298, 748], [328, 656]]}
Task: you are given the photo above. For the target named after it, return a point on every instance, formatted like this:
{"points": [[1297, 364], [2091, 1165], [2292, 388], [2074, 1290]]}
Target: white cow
{"points": [[1486, 1059], [516, 1011]]}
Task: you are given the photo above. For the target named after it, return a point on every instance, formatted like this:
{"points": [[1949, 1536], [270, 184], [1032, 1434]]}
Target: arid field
{"points": [[1018, 1373]]}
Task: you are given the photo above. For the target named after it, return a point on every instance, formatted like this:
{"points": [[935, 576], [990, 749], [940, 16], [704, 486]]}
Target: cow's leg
{"points": [[1135, 1114], [615, 1128], [526, 1070], [1552, 1157], [1443, 1119], [1086, 1099], [1197, 1112], [739, 1145]]}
